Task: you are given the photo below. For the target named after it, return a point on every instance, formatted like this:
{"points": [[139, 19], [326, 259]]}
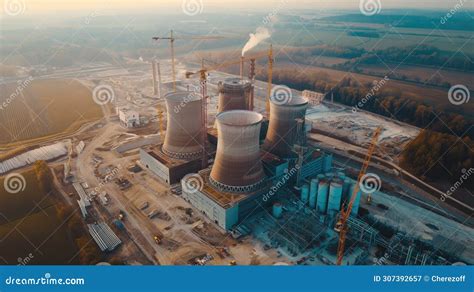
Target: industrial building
{"points": [[128, 118]]}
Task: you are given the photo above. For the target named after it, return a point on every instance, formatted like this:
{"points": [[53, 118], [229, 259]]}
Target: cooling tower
{"points": [[234, 94], [283, 128], [237, 167], [184, 125]]}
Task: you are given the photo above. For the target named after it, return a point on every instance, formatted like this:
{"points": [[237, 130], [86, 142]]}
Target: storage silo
{"points": [[335, 196], [184, 125], [237, 166], [346, 188], [277, 210], [304, 193], [234, 94], [313, 192], [356, 204], [283, 130], [322, 199]]}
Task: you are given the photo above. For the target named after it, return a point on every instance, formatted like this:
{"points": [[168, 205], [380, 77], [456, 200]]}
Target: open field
{"points": [[30, 225], [44, 107]]}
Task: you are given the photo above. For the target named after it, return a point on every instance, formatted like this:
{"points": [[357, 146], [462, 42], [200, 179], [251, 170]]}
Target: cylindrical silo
{"points": [[237, 166], [277, 210], [335, 196], [304, 193], [346, 188], [356, 204], [183, 138], [234, 94], [322, 199], [341, 175], [283, 131], [313, 193]]}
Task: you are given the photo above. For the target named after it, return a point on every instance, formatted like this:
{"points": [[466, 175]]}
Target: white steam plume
{"points": [[262, 33]]}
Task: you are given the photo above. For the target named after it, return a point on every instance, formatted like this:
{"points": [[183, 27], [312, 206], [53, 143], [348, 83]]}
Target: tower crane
{"points": [[172, 38], [341, 225]]}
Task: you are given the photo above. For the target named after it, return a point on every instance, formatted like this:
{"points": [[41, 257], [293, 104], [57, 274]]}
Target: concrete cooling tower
{"points": [[237, 167], [184, 125], [234, 94], [282, 131]]}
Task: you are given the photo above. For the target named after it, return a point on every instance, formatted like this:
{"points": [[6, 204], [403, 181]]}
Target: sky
{"points": [[34, 7]]}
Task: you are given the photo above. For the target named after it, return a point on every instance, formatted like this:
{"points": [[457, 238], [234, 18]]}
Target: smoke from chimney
{"points": [[262, 33]]}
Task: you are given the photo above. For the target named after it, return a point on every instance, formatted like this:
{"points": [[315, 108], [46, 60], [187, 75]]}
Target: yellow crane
{"points": [[341, 225], [172, 38]]}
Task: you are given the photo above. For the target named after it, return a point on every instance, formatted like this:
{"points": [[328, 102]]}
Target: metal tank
{"points": [[183, 139], [313, 192], [346, 188], [234, 94], [237, 166], [283, 131], [356, 204], [304, 195], [335, 196], [322, 200], [277, 210]]}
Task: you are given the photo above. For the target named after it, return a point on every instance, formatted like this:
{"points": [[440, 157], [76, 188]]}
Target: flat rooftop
{"points": [[226, 199]]}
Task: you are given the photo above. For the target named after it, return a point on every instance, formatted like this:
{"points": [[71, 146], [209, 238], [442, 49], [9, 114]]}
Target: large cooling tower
{"points": [[237, 167], [234, 94], [184, 125], [283, 128]]}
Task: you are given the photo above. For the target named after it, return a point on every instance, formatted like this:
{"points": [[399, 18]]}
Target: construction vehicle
{"points": [[341, 225], [172, 39], [157, 239]]}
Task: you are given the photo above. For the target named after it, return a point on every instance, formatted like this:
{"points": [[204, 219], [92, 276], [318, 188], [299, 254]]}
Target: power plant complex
{"points": [[247, 159]]}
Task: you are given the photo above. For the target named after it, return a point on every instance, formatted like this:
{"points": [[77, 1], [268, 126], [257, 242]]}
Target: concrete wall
{"points": [[150, 163], [224, 218]]}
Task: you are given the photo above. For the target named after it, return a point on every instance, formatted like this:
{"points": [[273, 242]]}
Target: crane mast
{"points": [[341, 225]]}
